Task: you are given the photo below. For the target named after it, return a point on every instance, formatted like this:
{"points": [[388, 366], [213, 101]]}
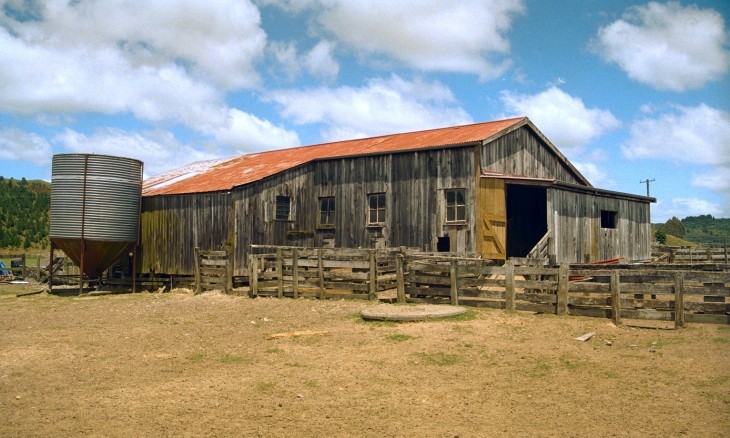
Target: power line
{"points": [[647, 181]]}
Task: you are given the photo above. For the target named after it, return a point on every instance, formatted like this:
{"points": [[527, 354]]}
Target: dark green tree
{"points": [[674, 227]]}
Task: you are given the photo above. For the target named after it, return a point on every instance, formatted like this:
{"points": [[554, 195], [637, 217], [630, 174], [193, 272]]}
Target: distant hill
{"points": [[24, 213], [704, 230]]}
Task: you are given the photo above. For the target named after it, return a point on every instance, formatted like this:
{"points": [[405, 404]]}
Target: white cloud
{"points": [[318, 62], [688, 135], [382, 106], [159, 150], [248, 133], [667, 46], [17, 145], [594, 174], [683, 207], [286, 56], [167, 63], [698, 135], [564, 119], [718, 180], [465, 36]]}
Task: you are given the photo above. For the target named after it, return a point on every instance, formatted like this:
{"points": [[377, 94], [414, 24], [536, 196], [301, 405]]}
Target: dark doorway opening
{"points": [[526, 218], [443, 244]]}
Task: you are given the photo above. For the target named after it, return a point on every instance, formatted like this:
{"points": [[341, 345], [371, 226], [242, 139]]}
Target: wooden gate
{"points": [[492, 218], [213, 270]]}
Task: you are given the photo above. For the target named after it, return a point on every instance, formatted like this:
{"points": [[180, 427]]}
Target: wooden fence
{"points": [[320, 272], [213, 270], [25, 266], [656, 292], [598, 291], [691, 255]]}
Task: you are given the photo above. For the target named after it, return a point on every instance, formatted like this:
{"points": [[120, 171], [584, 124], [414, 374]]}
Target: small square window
{"points": [[455, 205], [376, 208], [327, 212], [609, 219], [283, 208]]}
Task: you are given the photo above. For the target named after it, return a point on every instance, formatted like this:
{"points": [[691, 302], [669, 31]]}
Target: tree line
{"points": [[704, 230], [24, 213]]}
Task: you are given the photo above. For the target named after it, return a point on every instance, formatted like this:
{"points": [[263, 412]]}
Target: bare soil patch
{"points": [[182, 365]]}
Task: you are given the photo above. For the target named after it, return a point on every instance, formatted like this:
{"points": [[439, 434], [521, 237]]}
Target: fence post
{"points": [[373, 276], [279, 273], [254, 276], [679, 300], [562, 304], [320, 273], [616, 297], [295, 272], [509, 285], [453, 275], [198, 286], [229, 270], [22, 265], [400, 278]]}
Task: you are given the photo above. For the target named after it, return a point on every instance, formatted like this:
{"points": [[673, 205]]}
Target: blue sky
{"points": [[626, 90]]}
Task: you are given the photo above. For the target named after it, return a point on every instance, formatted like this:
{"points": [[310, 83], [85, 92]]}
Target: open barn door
{"points": [[492, 218]]}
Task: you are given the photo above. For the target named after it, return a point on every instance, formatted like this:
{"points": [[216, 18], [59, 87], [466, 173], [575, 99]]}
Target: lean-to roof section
{"points": [[226, 174]]}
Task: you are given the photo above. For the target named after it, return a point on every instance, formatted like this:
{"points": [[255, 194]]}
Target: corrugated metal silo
{"points": [[95, 205]]}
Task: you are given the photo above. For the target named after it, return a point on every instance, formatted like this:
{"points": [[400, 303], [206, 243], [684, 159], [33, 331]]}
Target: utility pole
{"points": [[647, 181]]}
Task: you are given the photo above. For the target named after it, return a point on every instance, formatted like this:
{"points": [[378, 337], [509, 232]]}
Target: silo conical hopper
{"points": [[95, 205]]}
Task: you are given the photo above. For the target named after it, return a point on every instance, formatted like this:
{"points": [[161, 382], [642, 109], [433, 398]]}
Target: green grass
{"points": [[398, 337], [572, 363], [468, 316], [439, 358], [311, 384], [196, 357], [230, 358], [266, 386], [711, 383], [541, 369], [676, 241], [610, 374], [720, 341]]}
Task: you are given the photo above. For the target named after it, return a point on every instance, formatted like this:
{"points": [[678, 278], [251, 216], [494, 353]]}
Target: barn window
{"points": [[455, 205], [283, 208], [609, 219], [376, 209], [327, 212]]}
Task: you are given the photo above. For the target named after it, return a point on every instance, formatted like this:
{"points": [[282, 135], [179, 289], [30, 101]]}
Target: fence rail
{"points": [[321, 272], [599, 291], [213, 270], [652, 292], [673, 254]]}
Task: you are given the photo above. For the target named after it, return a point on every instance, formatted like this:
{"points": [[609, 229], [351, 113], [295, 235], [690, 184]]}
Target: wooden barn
{"points": [[499, 188]]}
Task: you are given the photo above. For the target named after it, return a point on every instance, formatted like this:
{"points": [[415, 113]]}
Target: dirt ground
{"points": [[176, 364]]}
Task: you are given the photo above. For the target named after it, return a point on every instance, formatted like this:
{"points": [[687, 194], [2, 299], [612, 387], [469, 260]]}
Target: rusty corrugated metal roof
{"points": [[224, 175]]}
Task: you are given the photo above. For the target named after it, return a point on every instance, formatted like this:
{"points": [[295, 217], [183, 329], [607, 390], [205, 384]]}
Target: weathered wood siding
{"points": [[414, 185], [172, 226], [575, 222], [254, 209], [521, 152]]}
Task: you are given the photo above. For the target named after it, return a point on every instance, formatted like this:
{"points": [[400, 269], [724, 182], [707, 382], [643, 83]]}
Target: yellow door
{"points": [[493, 218]]}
